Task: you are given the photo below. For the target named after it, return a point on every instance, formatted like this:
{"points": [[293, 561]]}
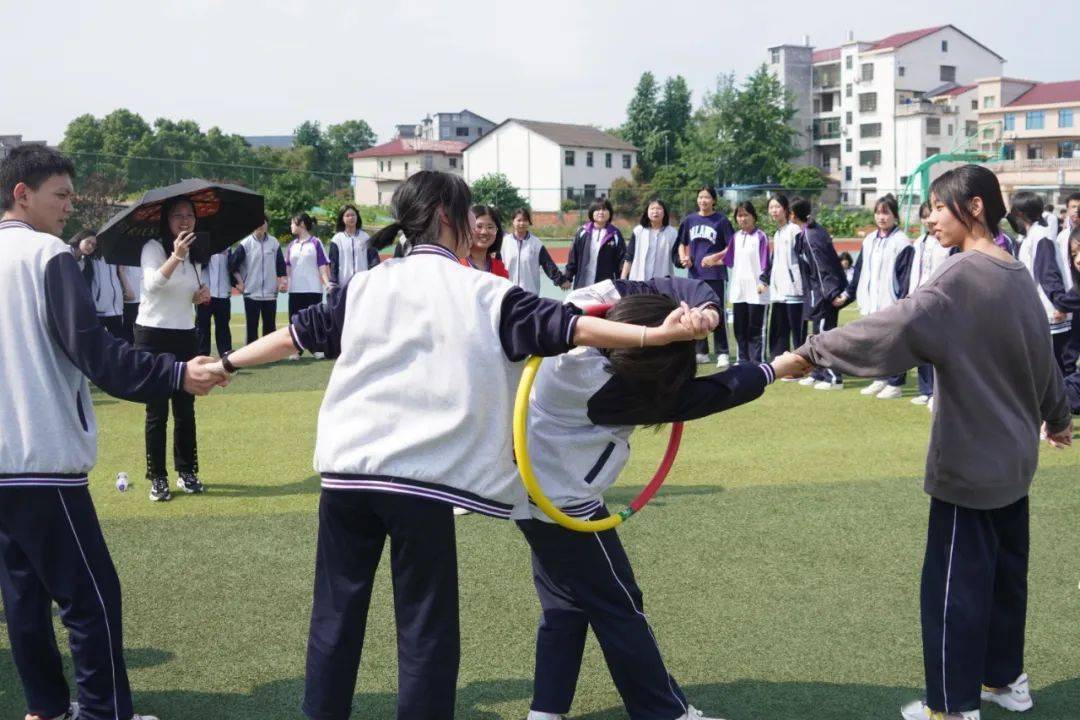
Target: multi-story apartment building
{"points": [[378, 171], [462, 126], [865, 114]]}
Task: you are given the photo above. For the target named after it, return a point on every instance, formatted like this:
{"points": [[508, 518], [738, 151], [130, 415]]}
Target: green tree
{"points": [[641, 119], [344, 138], [309, 134], [805, 178], [755, 139], [495, 189], [673, 114], [628, 197], [289, 193]]}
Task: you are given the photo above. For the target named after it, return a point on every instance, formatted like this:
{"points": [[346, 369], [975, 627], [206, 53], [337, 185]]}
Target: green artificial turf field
{"points": [[780, 566]]}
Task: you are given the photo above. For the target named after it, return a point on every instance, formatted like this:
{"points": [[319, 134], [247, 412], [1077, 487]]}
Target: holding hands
{"points": [[203, 374], [712, 260], [1059, 440], [791, 365]]}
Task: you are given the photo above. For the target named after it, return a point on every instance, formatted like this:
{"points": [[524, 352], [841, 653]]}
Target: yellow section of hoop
{"points": [[524, 463]]}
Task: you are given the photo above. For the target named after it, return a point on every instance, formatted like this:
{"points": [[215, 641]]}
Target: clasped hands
{"points": [[202, 374]]}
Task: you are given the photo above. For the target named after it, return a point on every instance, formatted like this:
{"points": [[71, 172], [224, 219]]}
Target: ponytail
{"points": [[385, 237]]}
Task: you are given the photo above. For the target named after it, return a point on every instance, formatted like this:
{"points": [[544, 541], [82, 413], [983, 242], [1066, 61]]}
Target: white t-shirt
{"points": [[166, 302], [304, 260]]}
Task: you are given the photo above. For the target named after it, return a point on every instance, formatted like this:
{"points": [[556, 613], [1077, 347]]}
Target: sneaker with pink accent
{"points": [[1015, 696]]}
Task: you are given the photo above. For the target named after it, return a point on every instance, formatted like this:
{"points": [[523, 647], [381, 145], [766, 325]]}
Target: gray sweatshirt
{"points": [[980, 323]]}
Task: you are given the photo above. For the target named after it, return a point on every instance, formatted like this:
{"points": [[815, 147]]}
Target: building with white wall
{"points": [[550, 162], [871, 117], [462, 126], [378, 171]]}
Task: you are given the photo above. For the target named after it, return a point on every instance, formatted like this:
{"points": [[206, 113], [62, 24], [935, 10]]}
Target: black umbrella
{"points": [[224, 215]]}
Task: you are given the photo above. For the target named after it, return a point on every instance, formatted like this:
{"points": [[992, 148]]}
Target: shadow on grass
{"points": [[766, 700], [623, 494], [308, 486]]}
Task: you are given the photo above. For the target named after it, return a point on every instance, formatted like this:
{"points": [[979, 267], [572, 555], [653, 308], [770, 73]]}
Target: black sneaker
{"points": [[159, 489], [189, 483]]}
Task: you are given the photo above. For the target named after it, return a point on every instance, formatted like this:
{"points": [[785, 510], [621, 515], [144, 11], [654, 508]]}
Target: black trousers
{"points": [[185, 448], [720, 339], [113, 323], [300, 301], [787, 330], [749, 322], [1061, 352], [973, 601], [1071, 353], [131, 311], [220, 311], [52, 550], [926, 380], [255, 309], [828, 321], [585, 580], [353, 527]]}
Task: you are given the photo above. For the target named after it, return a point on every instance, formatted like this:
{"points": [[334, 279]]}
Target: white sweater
{"points": [[166, 301]]}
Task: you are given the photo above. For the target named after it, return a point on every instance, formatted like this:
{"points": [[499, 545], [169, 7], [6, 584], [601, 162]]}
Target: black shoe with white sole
{"points": [[189, 483], [159, 489]]}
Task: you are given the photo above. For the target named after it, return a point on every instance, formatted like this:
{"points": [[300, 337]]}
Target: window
{"points": [[870, 130], [867, 72], [1035, 152], [1008, 152], [847, 145], [607, 159], [588, 158], [988, 133], [1035, 120], [479, 132], [971, 128], [1065, 118], [932, 151], [775, 56], [867, 102], [847, 118], [989, 101], [380, 166], [1066, 149], [944, 46], [900, 71], [933, 126], [827, 103], [948, 73], [847, 173], [949, 130], [848, 62], [847, 90], [453, 163], [868, 180], [975, 104], [903, 179], [817, 106], [870, 157], [407, 169], [590, 193], [444, 132], [626, 162], [461, 132], [569, 193], [1010, 121], [389, 165], [568, 158]]}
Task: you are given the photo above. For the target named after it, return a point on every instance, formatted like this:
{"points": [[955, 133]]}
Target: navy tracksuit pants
{"points": [[584, 580], [829, 320], [52, 550], [720, 338], [220, 311], [353, 527], [973, 601], [926, 380]]}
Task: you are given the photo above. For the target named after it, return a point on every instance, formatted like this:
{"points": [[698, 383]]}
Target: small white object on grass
{"points": [[122, 481]]}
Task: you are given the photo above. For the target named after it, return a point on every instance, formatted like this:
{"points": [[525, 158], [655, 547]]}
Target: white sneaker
{"points": [[789, 379], [891, 392], [536, 715], [874, 388], [294, 356], [826, 385], [702, 358], [917, 710], [807, 381], [930, 404], [319, 355], [920, 399], [722, 360], [137, 716], [1015, 696], [462, 511], [692, 713]]}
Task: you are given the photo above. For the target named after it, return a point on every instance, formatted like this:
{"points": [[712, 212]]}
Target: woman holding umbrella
{"points": [[170, 290]]}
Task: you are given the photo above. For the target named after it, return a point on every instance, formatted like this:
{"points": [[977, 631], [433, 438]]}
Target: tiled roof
{"points": [[827, 55], [1050, 93], [567, 135], [411, 146], [904, 38]]}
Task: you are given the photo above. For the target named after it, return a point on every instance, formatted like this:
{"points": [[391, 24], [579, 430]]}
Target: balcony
{"points": [[922, 107], [826, 130]]}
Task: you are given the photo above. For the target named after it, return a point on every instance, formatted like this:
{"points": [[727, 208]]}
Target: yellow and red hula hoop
{"points": [[528, 477]]}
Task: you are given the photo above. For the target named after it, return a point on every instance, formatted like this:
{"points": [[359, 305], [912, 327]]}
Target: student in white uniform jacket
{"points": [[350, 251], [787, 329], [525, 256], [417, 419], [103, 281], [652, 249], [873, 281], [747, 259]]}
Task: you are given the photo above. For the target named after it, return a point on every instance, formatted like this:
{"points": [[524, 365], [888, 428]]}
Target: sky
{"points": [[261, 68]]}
